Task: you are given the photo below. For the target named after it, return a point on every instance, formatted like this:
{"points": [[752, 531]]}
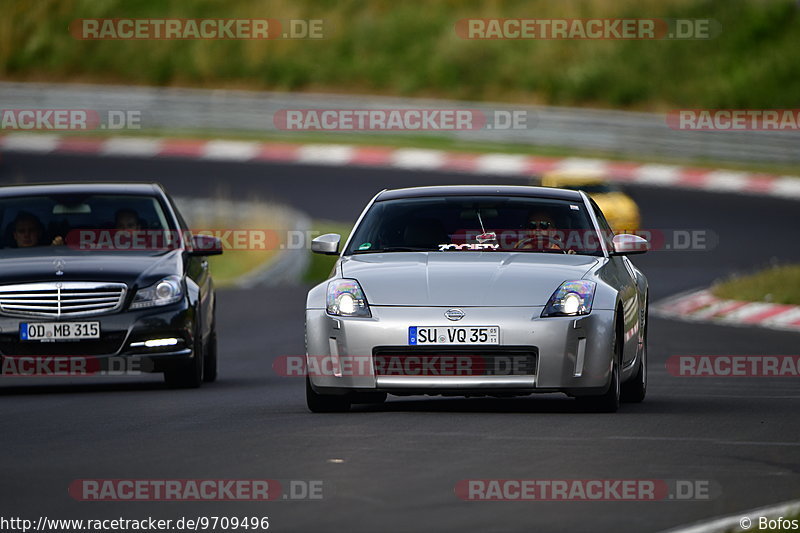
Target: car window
{"points": [[87, 222], [605, 227], [181, 221], [476, 223]]}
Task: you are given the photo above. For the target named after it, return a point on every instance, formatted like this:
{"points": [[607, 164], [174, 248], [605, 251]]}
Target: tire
{"points": [[325, 403], [608, 402], [189, 376], [635, 389], [210, 358]]}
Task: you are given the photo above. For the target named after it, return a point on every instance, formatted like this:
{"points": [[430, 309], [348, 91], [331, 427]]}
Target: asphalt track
{"points": [[394, 467]]}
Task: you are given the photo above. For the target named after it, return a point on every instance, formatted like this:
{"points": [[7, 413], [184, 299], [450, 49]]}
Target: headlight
{"points": [[572, 298], [345, 298], [167, 291]]}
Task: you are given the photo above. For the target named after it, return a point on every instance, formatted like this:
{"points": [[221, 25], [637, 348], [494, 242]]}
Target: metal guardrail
{"points": [[620, 132]]}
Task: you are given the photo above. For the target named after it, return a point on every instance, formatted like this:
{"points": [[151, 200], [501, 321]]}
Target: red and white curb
{"points": [[702, 306], [409, 159]]}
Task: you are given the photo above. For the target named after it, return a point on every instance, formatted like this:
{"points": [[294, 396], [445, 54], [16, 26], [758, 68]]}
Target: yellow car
{"points": [[620, 210]]}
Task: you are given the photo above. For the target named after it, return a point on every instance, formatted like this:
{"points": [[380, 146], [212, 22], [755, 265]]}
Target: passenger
{"points": [[127, 219]]}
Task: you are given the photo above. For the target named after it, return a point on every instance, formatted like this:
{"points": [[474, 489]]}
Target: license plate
{"points": [[58, 331], [418, 335]]}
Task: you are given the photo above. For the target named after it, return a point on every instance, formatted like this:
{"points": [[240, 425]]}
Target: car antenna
{"points": [[480, 220]]}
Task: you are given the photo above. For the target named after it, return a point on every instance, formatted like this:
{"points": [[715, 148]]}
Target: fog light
{"points": [[155, 343]]}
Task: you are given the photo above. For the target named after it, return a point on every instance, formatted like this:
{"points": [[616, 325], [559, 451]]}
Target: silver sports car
{"points": [[478, 291]]}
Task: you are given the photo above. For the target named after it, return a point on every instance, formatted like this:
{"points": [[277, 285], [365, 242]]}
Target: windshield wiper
{"points": [[396, 249]]}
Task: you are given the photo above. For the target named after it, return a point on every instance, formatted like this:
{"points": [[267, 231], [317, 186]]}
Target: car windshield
{"points": [[476, 223], [58, 223]]}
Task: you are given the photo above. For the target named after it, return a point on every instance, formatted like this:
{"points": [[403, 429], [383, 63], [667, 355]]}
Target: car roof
{"points": [[479, 190], [148, 189]]}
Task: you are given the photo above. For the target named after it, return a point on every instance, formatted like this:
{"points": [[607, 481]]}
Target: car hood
{"points": [[131, 269], [463, 279]]}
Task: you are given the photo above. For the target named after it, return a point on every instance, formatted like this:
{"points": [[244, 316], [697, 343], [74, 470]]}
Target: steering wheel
{"points": [[551, 240]]}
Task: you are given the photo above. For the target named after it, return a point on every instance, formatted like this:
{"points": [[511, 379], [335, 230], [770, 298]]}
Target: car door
{"points": [[197, 270], [624, 277]]}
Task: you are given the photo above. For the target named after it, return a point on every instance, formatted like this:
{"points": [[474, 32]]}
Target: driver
{"points": [[28, 231], [540, 233]]}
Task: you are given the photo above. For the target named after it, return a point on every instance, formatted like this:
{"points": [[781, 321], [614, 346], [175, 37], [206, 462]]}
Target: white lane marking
{"points": [[28, 142], [713, 309], [727, 180], [503, 164], [412, 158], [687, 303], [785, 318], [491, 163], [657, 174], [231, 150], [786, 187], [747, 311], [325, 154], [130, 146], [597, 167]]}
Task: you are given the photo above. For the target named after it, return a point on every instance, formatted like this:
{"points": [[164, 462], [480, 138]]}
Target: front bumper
{"points": [[117, 347], [573, 354]]}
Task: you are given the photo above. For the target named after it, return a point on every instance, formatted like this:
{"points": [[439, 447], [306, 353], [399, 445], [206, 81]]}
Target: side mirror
{"points": [[626, 244], [327, 244], [205, 245]]}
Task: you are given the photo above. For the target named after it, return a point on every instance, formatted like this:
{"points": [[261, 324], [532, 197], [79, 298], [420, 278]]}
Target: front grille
{"points": [[443, 361], [61, 299]]}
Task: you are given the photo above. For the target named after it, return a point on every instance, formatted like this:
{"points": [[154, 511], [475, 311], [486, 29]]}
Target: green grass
{"points": [[320, 267], [232, 264], [777, 284], [240, 257], [410, 48]]}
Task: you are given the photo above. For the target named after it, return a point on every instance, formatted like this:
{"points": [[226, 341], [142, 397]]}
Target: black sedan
{"points": [[104, 278]]}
